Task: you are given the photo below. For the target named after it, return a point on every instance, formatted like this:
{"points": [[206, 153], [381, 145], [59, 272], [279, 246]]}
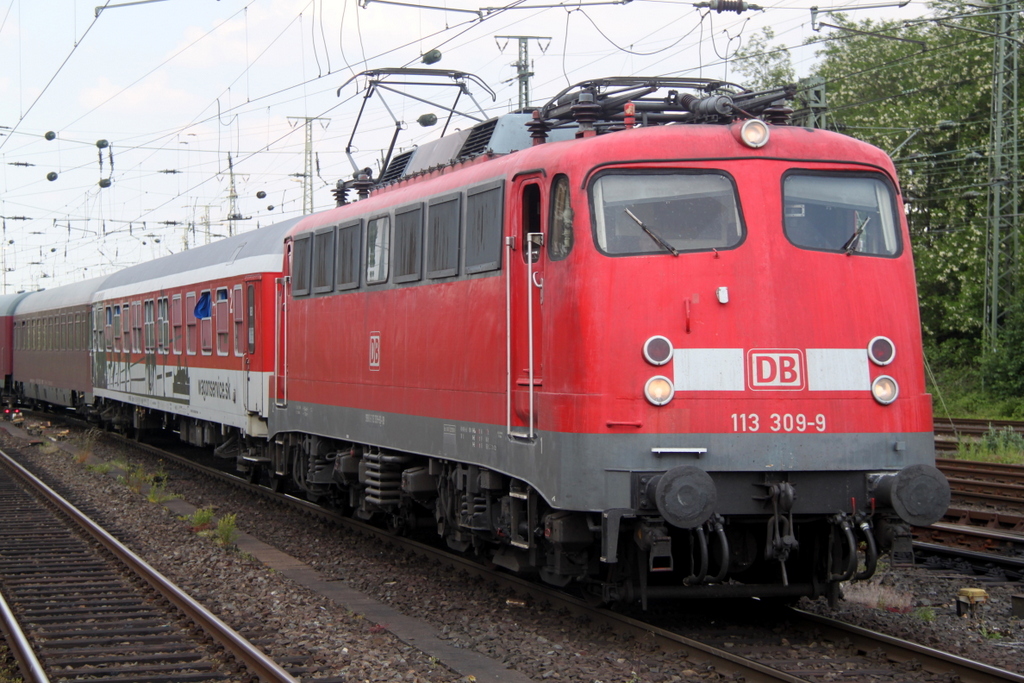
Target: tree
{"points": [[762, 65], [927, 103]]}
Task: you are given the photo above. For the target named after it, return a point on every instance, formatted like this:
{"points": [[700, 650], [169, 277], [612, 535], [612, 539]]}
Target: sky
{"points": [[117, 124]]}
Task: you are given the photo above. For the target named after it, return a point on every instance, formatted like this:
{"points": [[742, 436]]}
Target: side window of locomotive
{"points": [[531, 223], [378, 241], [658, 213], [443, 237], [349, 248], [408, 238], [847, 213], [484, 228], [300, 265], [560, 236], [323, 260]]}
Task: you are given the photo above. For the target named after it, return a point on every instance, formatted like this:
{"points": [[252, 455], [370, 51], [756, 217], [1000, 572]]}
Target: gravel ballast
{"points": [[290, 621]]}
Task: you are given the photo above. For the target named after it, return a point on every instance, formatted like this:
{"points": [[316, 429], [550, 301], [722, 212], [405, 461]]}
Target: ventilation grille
{"points": [[396, 169], [479, 139]]}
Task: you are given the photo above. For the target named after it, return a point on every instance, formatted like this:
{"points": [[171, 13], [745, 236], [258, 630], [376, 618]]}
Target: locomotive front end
{"points": [[765, 395]]}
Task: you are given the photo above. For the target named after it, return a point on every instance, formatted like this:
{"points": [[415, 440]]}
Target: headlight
{"points": [[659, 390], [658, 350], [754, 133], [885, 390], [881, 350]]}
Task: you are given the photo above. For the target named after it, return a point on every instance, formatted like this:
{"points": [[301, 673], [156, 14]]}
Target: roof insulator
{"points": [[538, 128]]}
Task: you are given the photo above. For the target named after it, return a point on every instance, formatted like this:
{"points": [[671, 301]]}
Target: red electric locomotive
{"points": [[665, 360], [653, 341]]}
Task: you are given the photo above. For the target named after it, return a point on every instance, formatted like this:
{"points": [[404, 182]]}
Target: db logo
{"points": [[375, 350], [775, 369]]}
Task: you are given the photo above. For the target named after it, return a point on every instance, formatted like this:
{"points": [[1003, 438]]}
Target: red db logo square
{"points": [[375, 351], [775, 369]]}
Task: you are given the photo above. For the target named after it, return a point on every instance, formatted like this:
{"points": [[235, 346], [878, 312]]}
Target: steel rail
{"points": [[899, 650], [255, 660], [28, 663], [722, 659]]}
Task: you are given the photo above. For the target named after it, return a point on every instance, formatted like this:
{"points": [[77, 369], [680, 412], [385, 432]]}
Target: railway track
{"points": [[80, 606], [949, 432], [985, 482], [886, 657]]}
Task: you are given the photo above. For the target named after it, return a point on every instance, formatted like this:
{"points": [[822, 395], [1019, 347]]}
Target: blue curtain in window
{"points": [[203, 307]]}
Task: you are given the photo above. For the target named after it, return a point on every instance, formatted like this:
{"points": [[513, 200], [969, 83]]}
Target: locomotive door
{"points": [[526, 298], [281, 331]]}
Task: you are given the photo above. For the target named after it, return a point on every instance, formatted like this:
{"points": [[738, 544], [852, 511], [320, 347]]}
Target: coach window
{"points": [[108, 330], [238, 316], [561, 236], [349, 249], [300, 265], [443, 237], [137, 326], [378, 239], [126, 326], [163, 326], [204, 312], [117, 328], [223, 322], [250, 307], [851, 213], [484, 227], [176, 323], [408, 238], [191, 334], [665, 212], [323, 263], [149, 310]]}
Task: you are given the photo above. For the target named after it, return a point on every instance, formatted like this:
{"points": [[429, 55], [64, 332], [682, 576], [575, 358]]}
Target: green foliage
{"points": [[226, 532], [930, 109], [762, 65], [925, 614], [158, 493], [201, 519], [136, 478], [996, 445], [1003, 368]]}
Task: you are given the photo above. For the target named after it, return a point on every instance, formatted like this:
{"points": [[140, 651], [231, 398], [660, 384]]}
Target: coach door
{"points": [[281, 331], [254, 377], [525, 257]]}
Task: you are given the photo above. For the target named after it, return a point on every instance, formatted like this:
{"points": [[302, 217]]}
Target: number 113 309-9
{"points": [[778, 422]]}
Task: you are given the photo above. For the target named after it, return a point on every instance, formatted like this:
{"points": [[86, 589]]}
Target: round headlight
{"points": [[754, 133], [885, 390], [881, 350], [658, 350], [659, 390]]}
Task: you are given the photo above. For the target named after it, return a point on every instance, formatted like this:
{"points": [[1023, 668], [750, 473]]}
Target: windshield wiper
{"points": [[851, 243], [654, 236]]}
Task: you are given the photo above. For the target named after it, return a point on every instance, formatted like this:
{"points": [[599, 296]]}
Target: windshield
{"points": [[847, 213], [644, 213]]}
